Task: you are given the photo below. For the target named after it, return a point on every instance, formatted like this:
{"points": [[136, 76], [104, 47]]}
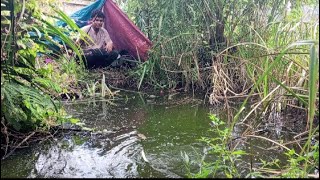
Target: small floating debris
{"points": [[144, 156], [96, 133], [143, 137], [105, 131], [150, 100], [212, 123], [152, 96], [80, 123], [87, 129]]}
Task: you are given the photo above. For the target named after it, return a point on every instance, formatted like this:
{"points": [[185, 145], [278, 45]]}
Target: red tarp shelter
{"points": [[125, 34]]}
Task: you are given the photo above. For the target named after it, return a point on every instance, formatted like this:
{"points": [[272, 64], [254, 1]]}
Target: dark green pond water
{"points": [[140, 136]]}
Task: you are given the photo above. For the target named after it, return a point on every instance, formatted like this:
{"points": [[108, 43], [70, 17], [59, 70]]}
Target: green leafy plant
{"points": [[25, 87], [225, 158], [295, 167]]}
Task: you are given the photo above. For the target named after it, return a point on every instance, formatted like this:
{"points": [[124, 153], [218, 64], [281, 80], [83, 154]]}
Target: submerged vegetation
{"points": [[259, 51]]}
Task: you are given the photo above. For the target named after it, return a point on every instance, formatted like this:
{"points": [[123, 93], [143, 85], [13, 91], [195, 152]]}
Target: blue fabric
{"points": [[54, 38], [83, 15], [81, 18]]}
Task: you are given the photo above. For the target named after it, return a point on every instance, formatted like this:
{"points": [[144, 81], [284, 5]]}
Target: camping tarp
{"points": [[124, 34]]}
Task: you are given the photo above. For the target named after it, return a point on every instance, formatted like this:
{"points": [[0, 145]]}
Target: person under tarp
{"points": [[122, 32], [99, 51]]}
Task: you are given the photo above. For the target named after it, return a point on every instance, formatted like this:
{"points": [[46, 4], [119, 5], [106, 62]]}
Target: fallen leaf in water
{"points": [[142, 136]]}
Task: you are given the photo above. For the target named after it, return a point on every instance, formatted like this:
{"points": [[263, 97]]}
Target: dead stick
{"points": [[5, 131], [25, 139], [291, 142], [301, 134]]}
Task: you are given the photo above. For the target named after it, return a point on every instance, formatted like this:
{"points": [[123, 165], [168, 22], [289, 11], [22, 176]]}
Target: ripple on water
{"points": [[114, 158]]}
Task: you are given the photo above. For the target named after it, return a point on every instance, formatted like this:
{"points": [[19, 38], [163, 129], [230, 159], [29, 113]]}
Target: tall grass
{"points": [[267, 52], [184, 49], [183, 34]]}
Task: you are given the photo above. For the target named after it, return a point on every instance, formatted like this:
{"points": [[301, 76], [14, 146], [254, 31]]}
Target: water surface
{"points": [[135, 136], [124, 132]]}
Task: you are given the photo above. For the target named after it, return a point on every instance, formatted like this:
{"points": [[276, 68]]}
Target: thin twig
{"points": [[301, 134], [5, 131], [237, 96], [275, 142], [281, 172], [291, 142], [25, 139], [261, 102]]}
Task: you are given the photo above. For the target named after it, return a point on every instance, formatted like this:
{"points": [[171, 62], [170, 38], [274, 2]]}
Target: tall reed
{"points": [[235, 49]]}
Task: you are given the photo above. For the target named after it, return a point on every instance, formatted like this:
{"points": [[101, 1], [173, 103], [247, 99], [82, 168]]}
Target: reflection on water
{"points": [[127, 128], [125, 132], [92, 159]]}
